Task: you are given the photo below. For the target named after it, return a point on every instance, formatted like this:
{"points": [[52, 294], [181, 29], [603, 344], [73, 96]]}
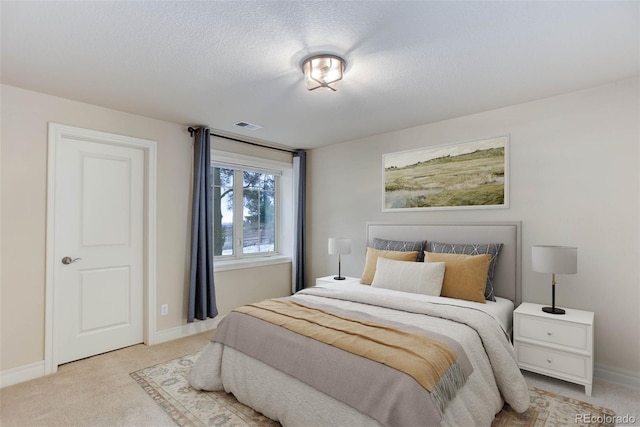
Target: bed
{"points": [[358, 355]]}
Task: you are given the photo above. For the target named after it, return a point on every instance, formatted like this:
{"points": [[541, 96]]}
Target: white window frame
{"points": [[238, 214], [283, 247]]}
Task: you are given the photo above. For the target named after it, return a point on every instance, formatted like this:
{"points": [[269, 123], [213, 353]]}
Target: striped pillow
{"points": [[401, 246]]}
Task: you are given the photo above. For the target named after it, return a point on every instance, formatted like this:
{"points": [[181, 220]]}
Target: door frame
{"points": [[56, 133]]}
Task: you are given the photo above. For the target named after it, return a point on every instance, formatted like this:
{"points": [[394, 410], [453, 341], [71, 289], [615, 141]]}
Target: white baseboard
{"points": [[36, 370], [186, 330], [617, 376], [22, 374]]}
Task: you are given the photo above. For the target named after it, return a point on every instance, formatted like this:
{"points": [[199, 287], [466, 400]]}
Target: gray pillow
{"points": [[401, 246], [492, 249]]}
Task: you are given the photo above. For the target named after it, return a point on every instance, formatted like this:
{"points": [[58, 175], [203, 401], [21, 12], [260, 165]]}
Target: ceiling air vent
{"points": [[248, 126]]}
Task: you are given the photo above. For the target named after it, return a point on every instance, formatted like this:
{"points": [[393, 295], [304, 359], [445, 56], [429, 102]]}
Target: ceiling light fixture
{"points": [[323, 70]]}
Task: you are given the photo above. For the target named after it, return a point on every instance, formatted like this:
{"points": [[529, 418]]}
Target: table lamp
{"points": [[554, 260], [339, 246]]}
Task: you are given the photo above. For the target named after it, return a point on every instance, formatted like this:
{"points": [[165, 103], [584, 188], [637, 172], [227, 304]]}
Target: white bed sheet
{"points": [[501, 309]]}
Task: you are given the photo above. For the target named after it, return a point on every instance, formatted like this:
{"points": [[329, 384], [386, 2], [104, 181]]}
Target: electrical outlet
{"points": [[164, 309]]}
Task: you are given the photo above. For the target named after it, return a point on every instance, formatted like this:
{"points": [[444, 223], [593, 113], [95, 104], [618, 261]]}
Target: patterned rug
{"points": [[167, 383]]}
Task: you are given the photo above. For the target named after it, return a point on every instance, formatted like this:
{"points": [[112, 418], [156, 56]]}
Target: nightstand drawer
{"points": [[549, 331], [554, 361]]}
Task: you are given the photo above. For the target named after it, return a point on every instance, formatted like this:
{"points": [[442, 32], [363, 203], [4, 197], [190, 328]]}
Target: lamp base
{"points": [[339, 278], [553, 310]]}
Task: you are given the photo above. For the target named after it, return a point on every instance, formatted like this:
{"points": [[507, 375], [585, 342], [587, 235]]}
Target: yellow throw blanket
{"points": [[424, 359]]}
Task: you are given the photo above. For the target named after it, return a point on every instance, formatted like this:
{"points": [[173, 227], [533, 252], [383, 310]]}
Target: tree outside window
{"points": [[251, 231]]}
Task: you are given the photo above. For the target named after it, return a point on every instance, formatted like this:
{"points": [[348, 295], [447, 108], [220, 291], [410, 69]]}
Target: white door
{"points": [[98, 247]]}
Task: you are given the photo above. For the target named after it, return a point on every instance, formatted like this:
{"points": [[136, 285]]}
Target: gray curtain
{"points": [[300, 172], [202, 296]]}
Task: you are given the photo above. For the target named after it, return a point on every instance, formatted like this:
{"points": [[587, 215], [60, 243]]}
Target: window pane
{"points": [[258, 226], [222, 211]]}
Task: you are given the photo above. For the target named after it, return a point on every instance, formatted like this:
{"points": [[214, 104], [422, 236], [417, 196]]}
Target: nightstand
{"points": [[560, 346], [330, 279]]}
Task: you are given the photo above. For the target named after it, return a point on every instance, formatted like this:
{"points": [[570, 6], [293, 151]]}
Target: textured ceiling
{"points": [[409, 63]]}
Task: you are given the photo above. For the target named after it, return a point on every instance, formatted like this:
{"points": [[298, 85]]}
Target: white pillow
{"points": [[408, 276]]}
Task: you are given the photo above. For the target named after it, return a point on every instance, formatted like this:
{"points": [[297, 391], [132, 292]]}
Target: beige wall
{"points": [[575, 180], [25, 115], [237, 287]]}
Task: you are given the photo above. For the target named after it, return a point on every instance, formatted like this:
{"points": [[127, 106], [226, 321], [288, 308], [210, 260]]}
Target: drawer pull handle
{"points": [[549, 333], [549, 361]]}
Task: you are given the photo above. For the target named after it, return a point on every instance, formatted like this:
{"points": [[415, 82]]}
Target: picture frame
{"points": [[467, 175]]}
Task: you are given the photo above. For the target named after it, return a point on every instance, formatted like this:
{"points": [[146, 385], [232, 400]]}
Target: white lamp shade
{"points": [[554, 259], [339, 246]]}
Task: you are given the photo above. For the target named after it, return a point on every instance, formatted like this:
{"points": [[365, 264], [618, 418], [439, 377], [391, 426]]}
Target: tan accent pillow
{"points": [[465, 276], [372, 260]]}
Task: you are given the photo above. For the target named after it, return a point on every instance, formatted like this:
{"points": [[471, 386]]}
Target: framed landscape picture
{"points": [[469, 175]]}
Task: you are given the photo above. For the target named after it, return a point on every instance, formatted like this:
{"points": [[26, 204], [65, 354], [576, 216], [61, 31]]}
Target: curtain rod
{"points": [[193, 130]]}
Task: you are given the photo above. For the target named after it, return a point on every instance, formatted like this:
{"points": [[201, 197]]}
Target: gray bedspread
{"points": [[391, 401], [354, 380]]}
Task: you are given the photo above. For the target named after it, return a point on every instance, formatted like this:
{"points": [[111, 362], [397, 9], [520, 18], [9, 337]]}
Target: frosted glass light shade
{"points": [[554, 259], [339, 246], [324, 71]]}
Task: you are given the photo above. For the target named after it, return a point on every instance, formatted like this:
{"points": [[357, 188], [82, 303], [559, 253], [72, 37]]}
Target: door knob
{"points": [[68, 260]]}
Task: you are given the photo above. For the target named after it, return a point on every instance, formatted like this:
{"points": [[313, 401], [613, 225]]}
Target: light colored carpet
{"points": [[167, 383], [99, 391]]}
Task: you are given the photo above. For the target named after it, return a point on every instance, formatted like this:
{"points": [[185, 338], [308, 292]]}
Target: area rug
{"points": [[167, 383]]}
